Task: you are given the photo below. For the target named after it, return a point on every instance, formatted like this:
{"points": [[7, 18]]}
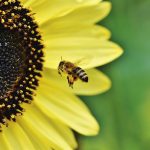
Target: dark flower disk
{"points": [[21, 58]]}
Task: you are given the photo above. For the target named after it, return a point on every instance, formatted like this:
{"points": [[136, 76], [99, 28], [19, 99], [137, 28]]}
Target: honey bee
{"points": [[73, 72]]}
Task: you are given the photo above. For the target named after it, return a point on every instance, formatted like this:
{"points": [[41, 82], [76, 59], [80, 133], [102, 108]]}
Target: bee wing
{"points": [[82, 62]]}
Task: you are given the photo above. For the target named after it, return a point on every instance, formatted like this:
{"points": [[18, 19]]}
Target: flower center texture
{"points": [[21, 59], [12, 61]]}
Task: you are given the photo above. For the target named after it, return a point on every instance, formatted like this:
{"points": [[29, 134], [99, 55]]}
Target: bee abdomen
{"points": [[81, 74], [84, 78]]}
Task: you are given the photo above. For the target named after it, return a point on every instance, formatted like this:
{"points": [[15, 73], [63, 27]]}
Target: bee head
{"points": [[61, 64]]}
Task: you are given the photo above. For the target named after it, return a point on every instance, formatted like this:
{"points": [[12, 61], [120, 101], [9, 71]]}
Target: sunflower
{"points": [[38, 111]]}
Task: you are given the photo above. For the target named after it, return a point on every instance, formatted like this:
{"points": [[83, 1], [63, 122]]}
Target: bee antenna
{"points": [[61, 58]]}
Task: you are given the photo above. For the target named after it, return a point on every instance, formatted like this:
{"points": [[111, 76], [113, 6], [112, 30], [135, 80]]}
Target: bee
{"points": [[73, 72]]}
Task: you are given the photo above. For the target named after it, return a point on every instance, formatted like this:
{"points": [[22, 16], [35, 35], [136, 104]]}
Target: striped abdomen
{"points": [[81, 74]]}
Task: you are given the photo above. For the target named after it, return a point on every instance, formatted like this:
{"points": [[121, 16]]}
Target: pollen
{"points": [[21, 59]]}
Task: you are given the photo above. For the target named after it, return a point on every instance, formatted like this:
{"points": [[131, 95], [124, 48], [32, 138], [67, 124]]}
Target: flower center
{"points": [[21, 58], [12, 61]]}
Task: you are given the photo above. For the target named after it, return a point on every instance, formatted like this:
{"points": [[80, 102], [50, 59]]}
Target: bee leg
{"points": [[71, 85], [75, 78], [59, 72], [70, 81]]}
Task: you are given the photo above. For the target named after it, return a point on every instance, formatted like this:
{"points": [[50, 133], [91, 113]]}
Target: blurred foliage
{"points": [[124, 111]]}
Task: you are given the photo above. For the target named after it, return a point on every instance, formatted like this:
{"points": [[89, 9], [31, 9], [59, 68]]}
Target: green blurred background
{"points": [[124, 111]]}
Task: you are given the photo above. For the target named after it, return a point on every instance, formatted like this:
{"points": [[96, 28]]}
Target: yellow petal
{"points": [[54, 8], [57, 31], [32, 3], [91, 52], [57, 102], [98, 82], [46, 128], [23, 1], [4, 145], [28, 3], [16, 138], [88, 14], [40, 142], [66, 133]]}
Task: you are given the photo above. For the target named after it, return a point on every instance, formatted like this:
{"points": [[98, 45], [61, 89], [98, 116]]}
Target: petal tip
{"points": [[95, 129], [120, 51], [108, 7]]}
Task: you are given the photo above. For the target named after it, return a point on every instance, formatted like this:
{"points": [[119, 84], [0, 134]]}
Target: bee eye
{"points": [[61, 64]]}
